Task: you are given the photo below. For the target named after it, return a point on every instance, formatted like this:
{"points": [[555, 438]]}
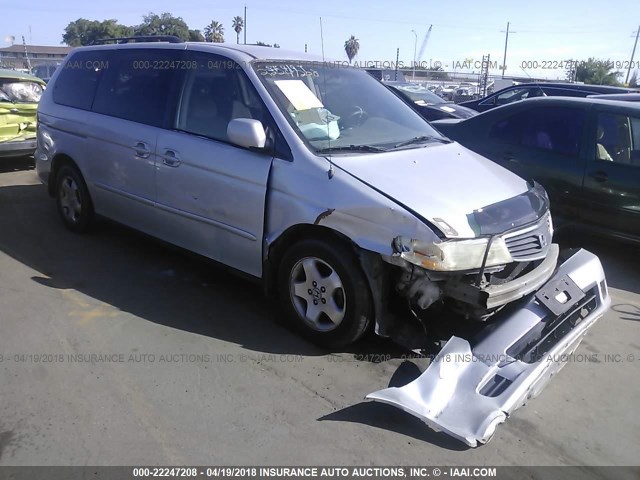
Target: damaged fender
{"points": [[468, 390]]}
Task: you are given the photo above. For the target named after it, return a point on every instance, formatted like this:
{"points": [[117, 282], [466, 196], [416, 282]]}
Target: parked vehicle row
{"points": [[429, 105], [524, 91]]}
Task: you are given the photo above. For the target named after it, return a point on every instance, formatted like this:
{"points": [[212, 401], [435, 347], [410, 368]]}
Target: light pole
{"points": [[632, 55], [415, 46], [506, 42]]}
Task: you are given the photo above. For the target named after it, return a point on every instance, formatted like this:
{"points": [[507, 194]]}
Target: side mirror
{"points": [[247, 133]]}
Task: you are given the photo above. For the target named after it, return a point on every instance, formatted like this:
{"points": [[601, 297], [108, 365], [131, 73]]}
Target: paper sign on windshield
{"points": [[300, 96]]}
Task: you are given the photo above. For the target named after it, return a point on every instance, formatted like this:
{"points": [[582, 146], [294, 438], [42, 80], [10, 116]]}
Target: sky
{"points": [[544, 32]]}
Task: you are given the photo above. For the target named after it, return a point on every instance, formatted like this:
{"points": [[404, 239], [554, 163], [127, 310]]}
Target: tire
{"points": [[72, 197], [324, 293]]}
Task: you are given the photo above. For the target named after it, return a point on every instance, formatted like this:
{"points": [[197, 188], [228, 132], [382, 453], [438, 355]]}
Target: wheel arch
{"points": [[58, 161], [372, 265]]}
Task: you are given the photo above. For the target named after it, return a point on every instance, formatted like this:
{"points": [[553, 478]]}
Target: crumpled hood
{"points": [[445, 182]]}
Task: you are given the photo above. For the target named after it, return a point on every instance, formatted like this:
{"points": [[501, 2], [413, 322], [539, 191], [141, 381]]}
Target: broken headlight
{"points": [[453, 255]]}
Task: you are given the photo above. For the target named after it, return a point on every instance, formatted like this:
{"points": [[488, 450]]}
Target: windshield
{"points": [[21, 91], [341, 108], [420, 94]]}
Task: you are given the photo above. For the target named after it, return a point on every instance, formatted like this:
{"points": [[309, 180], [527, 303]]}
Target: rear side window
{"points": [[558, 129], [137, 85], [76, 85]]}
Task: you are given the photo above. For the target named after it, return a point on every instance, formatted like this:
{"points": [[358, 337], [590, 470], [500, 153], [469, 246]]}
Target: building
{"points": [[16, 57]]}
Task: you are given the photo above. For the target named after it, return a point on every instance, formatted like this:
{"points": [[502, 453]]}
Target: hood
{"points": [[457, 111], [449, 108], [439, 182]]}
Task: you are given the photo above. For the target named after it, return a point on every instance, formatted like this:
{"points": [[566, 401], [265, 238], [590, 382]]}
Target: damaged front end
{"points": [[536, 313], [469, 389], [511, 257]]}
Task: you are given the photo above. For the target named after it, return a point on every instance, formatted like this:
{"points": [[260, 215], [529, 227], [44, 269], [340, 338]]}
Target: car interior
{"points": [[617, 138]]}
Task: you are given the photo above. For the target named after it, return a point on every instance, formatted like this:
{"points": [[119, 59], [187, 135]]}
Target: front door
{"points": [[210, 193], [612, 176]]}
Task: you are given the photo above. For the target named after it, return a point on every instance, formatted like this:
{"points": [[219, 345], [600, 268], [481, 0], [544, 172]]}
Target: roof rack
{"points": [[141, 38]]}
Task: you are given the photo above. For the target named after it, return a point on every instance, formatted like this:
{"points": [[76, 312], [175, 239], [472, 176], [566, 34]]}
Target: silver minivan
{"points": [[350, 208]]}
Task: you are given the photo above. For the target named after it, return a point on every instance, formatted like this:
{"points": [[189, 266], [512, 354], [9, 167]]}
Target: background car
{"points": [[531, 90], [45, 71], [19, 97], [447, 91], [585, 152], [463, 93], [429, 105]]}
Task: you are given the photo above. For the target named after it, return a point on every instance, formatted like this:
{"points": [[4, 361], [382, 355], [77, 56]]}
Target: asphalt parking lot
{"points": [[192, 366]]}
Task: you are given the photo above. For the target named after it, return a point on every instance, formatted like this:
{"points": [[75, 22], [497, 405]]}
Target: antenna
{"points": [[26, 54], [324, 80]]}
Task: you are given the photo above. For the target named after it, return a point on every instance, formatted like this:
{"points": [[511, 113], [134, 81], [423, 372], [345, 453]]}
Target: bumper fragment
{"points": [[466, 392]]}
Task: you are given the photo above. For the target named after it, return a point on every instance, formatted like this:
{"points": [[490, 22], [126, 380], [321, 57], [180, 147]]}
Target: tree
{"points": [[196, 36], [237, 25], [163, 24], [262, 44], [351, 47], [633, 81], [214, 32], [85, 32], [596, 72]]}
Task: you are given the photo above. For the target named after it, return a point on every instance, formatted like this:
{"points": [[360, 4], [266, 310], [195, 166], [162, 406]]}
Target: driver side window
{"points": [[215, 91], [618, 139]]}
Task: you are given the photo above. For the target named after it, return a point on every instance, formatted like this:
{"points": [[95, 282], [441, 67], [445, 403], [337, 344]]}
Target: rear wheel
{"points": [[72, 196], [324, 293]]}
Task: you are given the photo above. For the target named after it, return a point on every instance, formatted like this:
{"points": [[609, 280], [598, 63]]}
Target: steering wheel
{"points": [[355, 118]]}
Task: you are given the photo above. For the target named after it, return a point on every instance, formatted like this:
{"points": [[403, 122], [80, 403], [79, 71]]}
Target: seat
{"points": [[601, 151], [211, 106]]}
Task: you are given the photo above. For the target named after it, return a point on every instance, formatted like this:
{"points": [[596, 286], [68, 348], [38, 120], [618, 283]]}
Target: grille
{"points": [[531, 244]]}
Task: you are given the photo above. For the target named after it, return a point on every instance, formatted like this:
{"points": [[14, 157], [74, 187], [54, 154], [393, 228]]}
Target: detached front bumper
{"points": [[467, 391]]}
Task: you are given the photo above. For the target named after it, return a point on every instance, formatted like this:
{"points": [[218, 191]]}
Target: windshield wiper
{"points": [[352, 148], [422, 139]]}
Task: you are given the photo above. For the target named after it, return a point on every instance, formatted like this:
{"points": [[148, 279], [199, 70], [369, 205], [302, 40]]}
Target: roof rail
{"points": [[141, 38]]}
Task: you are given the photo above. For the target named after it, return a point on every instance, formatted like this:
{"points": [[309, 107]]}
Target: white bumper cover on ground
{"points": [[466, 392]]}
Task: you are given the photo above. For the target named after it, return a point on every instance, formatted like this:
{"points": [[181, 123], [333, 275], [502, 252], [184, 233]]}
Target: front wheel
{"points": [[72, 196], [324, 293]]}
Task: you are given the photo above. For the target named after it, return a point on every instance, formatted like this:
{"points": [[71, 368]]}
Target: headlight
{"points": [[453, 255]]}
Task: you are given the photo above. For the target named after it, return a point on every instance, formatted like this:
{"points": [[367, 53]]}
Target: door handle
{"points": [[142, 150], [599, 176], [170, 158]]}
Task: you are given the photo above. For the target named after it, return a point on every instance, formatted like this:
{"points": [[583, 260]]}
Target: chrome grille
{"points": [[531, 243]]}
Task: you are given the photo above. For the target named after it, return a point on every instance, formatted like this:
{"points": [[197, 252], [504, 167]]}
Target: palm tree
{"points": [[237, 25], [214, 32], [351, 47]]}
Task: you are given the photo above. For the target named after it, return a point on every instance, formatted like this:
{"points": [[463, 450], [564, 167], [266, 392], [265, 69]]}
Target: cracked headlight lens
{"points": [[453, 255]]}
